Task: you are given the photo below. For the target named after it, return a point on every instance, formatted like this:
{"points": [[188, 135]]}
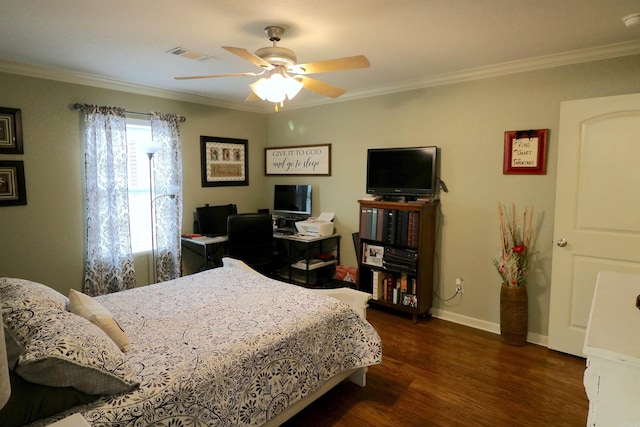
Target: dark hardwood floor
{"points": [[438, 373]]}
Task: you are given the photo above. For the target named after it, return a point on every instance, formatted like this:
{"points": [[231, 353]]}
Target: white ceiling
{"points": [[410, 43]]}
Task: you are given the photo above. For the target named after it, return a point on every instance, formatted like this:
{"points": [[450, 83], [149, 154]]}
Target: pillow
{"points": [[20, 291], [85, 306], [25, 293], [62, 349]]}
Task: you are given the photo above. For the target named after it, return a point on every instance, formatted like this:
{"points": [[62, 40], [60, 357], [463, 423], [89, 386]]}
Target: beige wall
{"points": [[467, 121], [44, 241]]}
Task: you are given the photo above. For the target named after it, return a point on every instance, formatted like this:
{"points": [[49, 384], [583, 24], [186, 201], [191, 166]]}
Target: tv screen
{"points": [[292, 199], [212, 220], [410, 171]]}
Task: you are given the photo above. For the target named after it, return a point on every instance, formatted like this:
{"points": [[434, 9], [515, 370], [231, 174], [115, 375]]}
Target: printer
{"points": [[320, 226]]}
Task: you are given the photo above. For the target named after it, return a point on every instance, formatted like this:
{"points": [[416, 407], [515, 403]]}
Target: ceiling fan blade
{"points": [[213, 76], [320, 87], [339, 64], [248, 56]]}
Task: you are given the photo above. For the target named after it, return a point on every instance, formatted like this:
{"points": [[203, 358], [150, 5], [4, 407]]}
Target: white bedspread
{"points": [[229, 348]]}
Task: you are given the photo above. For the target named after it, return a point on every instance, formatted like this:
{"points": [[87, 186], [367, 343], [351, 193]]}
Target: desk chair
{"points": [[250, 239]]}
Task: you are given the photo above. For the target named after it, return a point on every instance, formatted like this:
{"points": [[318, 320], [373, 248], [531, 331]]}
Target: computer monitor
{"points": [[212, 220], [292, 200]]}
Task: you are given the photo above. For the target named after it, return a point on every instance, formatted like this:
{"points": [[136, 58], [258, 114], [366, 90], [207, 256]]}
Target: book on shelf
{"points": [[363, 223], [375, 274], [377, 285], [393, 226], [390, 285], [369, 222], [411, 285], [396, 292], [412, 230], [403, 282], [374, 223], [404, 228], [380, 222], [303, 264], [384, 235]]}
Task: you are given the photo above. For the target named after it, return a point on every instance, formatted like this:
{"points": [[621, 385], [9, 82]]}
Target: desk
{"points": [[296, 251], [299, 252], [209, 249]]}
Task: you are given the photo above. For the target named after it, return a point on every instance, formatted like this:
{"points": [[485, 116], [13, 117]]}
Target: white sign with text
{"points": [[300, 160]]}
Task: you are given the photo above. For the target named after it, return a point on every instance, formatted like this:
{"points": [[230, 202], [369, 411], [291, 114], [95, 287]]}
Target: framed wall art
{"points": [[225, 161], [299, 160], [525, 152], [373, 255], [12, 186], [10, 131], [409, 300]]}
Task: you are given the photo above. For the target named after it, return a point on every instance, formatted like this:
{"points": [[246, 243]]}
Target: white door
{"points": [[597, 213]]}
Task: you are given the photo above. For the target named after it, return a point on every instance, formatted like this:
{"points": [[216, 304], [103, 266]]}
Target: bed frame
{"points": [[358, 301]]}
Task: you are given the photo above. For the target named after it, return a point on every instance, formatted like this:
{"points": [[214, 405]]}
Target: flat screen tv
{"points": [[409, 171], [294, 200]]}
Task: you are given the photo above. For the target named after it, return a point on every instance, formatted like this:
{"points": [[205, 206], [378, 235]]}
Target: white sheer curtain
{"points": [[109, 263], [167, 197]]}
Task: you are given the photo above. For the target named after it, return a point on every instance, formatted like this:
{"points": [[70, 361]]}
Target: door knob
{"points": [[562, 243]]}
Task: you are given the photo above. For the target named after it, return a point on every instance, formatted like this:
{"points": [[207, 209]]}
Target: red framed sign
{"points": [[525, 152]]}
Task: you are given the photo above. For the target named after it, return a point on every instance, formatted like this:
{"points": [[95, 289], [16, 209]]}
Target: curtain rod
{"points": [[131, 113]]}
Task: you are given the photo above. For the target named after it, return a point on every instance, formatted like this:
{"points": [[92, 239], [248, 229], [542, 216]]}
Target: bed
{"points": [[224, 347]]}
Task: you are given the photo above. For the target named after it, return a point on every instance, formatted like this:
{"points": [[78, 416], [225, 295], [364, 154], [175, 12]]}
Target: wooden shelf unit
{"points": [[413, 236]]}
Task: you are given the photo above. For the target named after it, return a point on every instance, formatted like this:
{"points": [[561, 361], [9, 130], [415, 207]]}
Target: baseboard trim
{"points": [[484, 325]]}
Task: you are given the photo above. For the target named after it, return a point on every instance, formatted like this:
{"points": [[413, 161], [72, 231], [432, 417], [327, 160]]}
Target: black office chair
{"points": [[250, 239]]}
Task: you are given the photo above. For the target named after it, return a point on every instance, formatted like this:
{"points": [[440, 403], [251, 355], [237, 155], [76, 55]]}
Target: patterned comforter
{"points": [[226, 347]]}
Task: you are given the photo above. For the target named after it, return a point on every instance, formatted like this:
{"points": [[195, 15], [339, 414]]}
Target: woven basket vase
{"points": [[514, 314]]}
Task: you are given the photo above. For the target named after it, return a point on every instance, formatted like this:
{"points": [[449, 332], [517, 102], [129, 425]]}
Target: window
{"points": [[139, 136]]}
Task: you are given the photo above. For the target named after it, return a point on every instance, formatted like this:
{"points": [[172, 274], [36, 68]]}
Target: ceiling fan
{"points": [[283, 76]]}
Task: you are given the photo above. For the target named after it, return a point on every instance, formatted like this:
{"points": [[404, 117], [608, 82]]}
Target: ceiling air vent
{"points": [[189, 54]]}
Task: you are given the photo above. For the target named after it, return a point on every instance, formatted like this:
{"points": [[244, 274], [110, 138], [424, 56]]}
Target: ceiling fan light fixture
{"points": [[276, 87], [292, 87]]}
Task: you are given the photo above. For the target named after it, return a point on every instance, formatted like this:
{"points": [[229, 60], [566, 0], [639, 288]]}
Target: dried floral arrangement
{"points": [[515, 236]]}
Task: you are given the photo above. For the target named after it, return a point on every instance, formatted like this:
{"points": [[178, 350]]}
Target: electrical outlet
{"points": [[460, 285]]}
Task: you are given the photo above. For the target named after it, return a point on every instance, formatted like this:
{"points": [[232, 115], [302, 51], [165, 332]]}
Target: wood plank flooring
{"points": [[438, 373]]}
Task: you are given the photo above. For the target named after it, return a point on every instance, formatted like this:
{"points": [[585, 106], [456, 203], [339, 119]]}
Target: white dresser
{"points": [[612, 347]]}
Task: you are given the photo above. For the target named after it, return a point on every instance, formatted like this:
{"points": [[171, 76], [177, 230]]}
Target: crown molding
{"points": [[513, 67], [497, 70], [66, 76]]}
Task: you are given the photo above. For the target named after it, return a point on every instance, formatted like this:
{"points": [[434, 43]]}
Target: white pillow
{"points": [[85, 306], [21, 291], [62, 349], [20, 294]]}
